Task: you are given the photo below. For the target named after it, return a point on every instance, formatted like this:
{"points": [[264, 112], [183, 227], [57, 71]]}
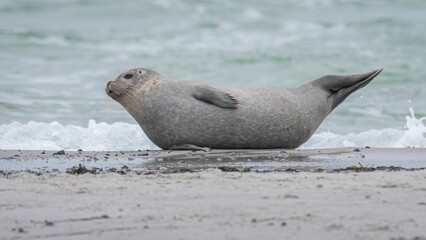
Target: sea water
{"points": [[56, 57]]}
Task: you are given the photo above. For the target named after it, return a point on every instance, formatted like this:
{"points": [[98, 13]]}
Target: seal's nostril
{"points": [[109, 83]]}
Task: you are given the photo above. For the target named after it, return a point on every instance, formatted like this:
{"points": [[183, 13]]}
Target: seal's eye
{"points": [[128, 76]]}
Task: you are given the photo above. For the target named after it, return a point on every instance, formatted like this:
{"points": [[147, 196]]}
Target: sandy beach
{"points": [[350, 193], [214, 205], [84, 115]]}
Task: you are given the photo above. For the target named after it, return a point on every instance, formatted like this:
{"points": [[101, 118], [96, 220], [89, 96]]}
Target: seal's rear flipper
{"points": [[189, 147], [214, 96], [340, 87]]}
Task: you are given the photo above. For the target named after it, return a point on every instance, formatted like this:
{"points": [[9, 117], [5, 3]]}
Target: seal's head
{"points": [[127, 84]]}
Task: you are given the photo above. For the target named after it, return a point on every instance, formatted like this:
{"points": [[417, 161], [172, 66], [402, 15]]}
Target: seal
{"points": [[188, 115]]}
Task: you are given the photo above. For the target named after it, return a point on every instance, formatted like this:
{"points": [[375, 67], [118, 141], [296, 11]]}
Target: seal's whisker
{"points": [[106, 98], [128, 92], [131, 97]]}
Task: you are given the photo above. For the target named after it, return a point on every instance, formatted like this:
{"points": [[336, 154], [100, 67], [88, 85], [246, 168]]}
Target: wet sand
{"points": [[147, 162], [306, 194]]}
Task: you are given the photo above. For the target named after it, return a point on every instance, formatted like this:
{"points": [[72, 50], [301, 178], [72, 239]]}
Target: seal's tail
{"points": [[341, 87]]}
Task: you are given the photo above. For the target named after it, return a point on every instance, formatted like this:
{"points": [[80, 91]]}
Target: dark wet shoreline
{"points": [[271, 160]]}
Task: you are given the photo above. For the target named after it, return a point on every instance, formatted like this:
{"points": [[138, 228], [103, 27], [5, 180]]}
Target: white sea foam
{"points": [[125, 136], [413, 135], [50, 40], [55, 136], [252, 14]]}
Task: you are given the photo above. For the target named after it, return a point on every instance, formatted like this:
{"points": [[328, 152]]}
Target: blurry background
{"points": [[57, 56]]}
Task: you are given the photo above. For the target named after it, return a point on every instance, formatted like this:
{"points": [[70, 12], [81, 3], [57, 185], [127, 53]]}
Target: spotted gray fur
{"points": [[174, 113]]}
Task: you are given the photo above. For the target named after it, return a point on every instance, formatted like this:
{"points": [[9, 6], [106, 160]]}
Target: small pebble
{"points": [[48, 223], [62, 152]]}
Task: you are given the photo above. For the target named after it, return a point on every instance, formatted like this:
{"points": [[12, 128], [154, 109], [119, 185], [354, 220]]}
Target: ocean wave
{"points": [[55, 136], [413, 135], [121, 136]]}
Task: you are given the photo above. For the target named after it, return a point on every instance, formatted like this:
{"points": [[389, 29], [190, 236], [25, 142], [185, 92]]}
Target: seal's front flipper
{"points": [[340, 87], [216, 97], [189, 147]]}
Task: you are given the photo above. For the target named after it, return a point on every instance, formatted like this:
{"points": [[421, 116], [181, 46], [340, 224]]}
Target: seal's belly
{"points": [[253, 125]]}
